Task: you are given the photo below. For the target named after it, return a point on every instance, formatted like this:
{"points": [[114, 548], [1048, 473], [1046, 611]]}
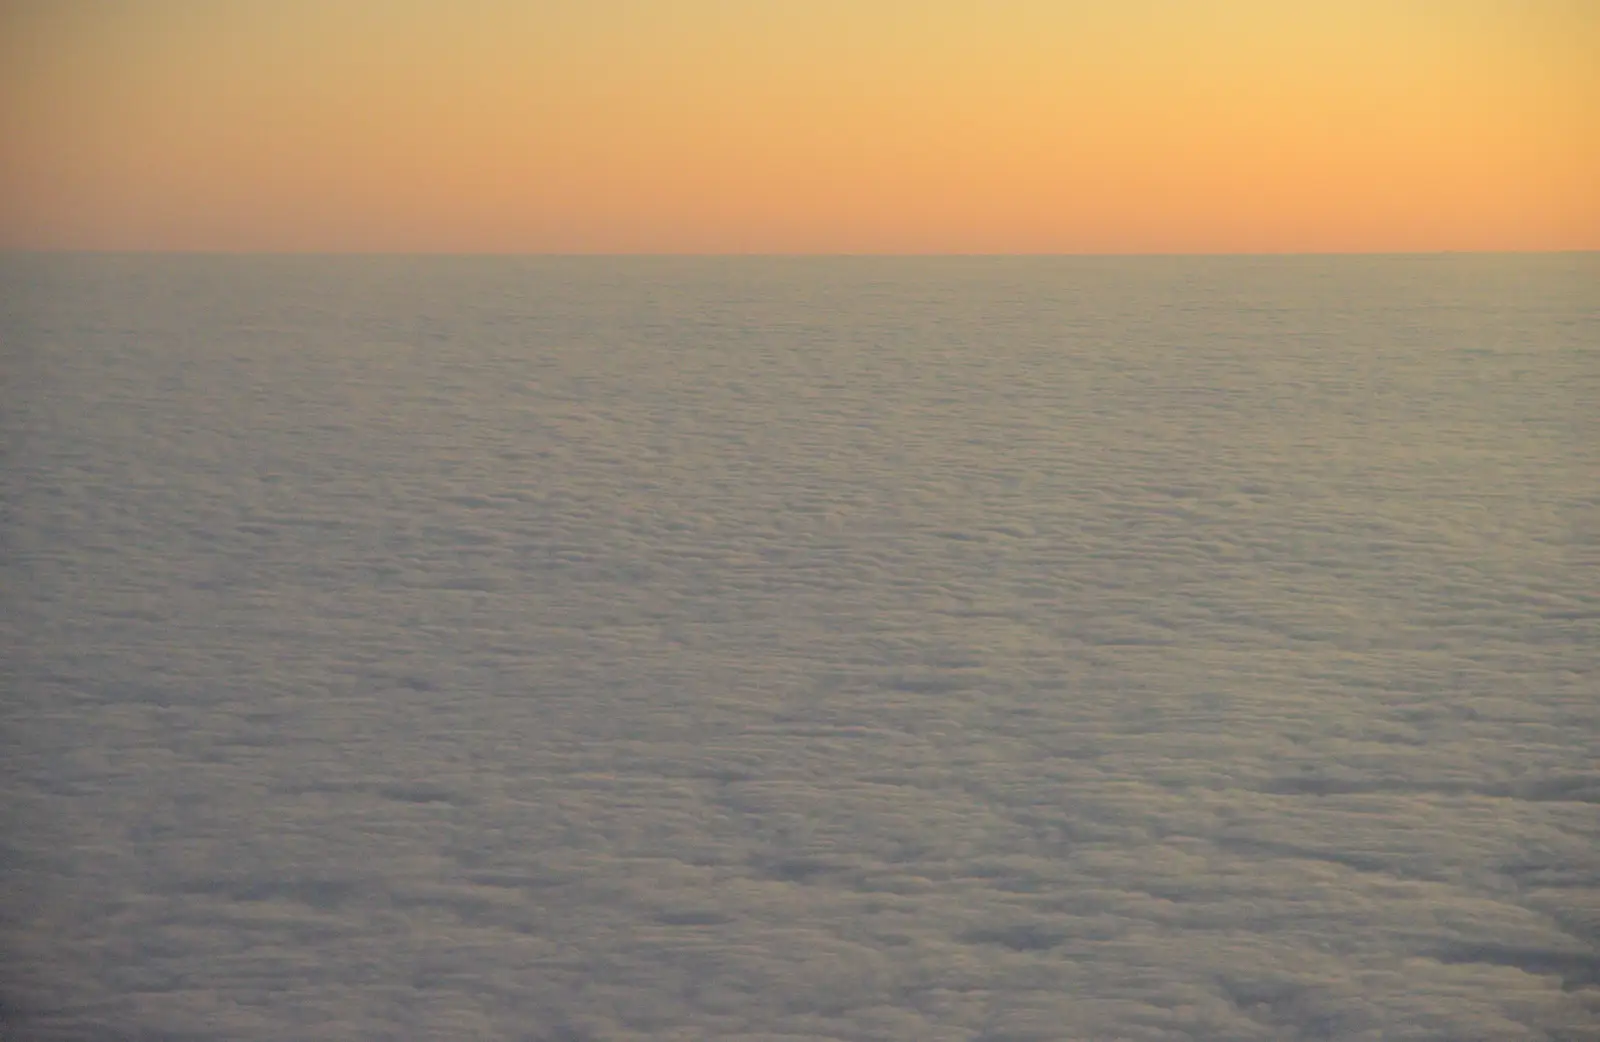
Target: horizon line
{"points": [[777, 254]]}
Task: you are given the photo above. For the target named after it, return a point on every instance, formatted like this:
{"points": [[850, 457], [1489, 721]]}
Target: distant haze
{"points": [[821, 126]]}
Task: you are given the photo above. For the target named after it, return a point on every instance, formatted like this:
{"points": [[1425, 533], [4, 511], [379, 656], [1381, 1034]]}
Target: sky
{"points": [[812, 126]]}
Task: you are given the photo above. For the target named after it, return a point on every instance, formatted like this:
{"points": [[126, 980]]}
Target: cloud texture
{"points": [[865, 650]]}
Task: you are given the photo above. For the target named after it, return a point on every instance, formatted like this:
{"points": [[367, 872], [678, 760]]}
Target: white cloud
{"points": [[458, 651]]}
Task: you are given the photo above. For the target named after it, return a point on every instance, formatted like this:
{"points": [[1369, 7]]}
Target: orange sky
{"points": [[872, 126]]}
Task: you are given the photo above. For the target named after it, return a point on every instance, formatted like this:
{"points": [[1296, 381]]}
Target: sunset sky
{"points": [[812, 126]]}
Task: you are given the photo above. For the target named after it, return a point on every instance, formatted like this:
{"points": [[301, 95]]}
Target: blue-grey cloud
{"points": [[868, 650]]}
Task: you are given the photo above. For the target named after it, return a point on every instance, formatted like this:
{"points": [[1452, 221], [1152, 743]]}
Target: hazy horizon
{"points": [[624, 255]]}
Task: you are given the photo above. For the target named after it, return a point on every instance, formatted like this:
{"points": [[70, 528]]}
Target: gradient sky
{"points": [[835, 126]]}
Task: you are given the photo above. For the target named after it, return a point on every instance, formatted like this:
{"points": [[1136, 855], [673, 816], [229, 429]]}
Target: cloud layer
{"points": [[945, 650]]}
